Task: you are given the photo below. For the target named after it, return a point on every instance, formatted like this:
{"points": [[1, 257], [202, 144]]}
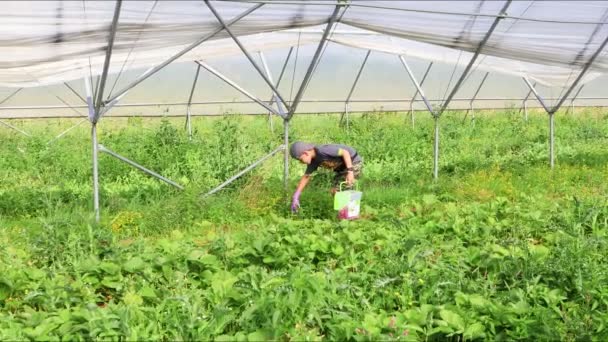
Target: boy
{"points": [[343, 160]]}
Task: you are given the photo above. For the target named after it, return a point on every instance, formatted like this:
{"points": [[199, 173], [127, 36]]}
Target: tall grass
{"points": [[499, 247]]}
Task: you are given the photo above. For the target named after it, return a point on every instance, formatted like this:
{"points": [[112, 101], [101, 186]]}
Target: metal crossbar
{"points": [[245, 170]]}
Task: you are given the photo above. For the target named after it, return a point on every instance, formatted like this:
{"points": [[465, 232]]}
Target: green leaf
{"points": [[34, 274], [258, 335], [337, 250], [475, 330], [195, 255], [132, 299], [147, 292], [539, 251], [210, 260], [222, 282], [111, 283], [479, 302], [272, 283], [134, 265], [452, 318], [5, 289], [109, 267], [429, 199]]}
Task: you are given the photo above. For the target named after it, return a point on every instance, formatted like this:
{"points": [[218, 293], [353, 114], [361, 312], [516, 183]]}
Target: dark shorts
{"points": [[341, 175]]}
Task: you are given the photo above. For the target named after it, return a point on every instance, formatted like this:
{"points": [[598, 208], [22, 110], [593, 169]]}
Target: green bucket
{"points": [[348, 203]]}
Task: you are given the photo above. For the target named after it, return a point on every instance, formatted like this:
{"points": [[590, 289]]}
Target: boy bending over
{"points": [[343, 160]]}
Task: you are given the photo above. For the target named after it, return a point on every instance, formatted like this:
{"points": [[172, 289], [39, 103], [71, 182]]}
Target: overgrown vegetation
{"points": [[501, 247]]}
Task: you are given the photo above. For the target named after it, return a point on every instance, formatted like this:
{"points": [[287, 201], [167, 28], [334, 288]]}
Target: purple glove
{"points": [[295, 202]]}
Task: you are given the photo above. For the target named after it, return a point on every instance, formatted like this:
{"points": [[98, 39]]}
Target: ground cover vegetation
{"points": [[501, 247]]}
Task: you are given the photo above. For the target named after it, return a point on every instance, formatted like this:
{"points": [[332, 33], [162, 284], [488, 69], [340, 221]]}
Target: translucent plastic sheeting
{"points": [[545, 74], [46, 42]]}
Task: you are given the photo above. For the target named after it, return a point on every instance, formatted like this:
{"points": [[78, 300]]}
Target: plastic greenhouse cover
{"points": [[48, 42]]}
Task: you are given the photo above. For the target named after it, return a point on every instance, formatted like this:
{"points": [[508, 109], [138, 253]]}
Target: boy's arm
{"points": [[348, 163], [303, 182]]}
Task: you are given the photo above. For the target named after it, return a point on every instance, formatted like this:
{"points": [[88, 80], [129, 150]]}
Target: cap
{"points": [[299, 147]]}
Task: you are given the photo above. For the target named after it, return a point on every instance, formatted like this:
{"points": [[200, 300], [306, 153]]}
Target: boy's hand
{"points": [[350, 178], [295, 205], [295, 202]]}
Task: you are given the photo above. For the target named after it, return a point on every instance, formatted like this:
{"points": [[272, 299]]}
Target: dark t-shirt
{"points": [[330, 157]]}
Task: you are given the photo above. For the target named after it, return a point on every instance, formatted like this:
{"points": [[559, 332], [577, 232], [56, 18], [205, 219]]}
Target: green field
{"points": [[501, 247]]}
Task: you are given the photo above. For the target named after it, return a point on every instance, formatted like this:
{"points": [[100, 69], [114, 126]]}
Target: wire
{"points": [[447, 88], [581, 54], [507, 30], [489, 15], [293, 75], [11, 95], [143, 26], [331, 33]]}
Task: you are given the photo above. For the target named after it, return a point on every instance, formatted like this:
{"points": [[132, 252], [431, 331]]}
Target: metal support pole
{"points": [[282, 72], [247, 169], [419, 90], [551, 112], [412, 119], [501, 15], [271, 101], [10, 95], [237, 87], [538, 97], [551, 140], [66, 131], [416, 93], [15, 128], [313, 62], [106, 63], [286, 154], [352, 88], [188, 114], [574, 98], [70, 106], [583, 72], [138, 166], [347, 112], [436, 149], [95, 171], [580, 76], [277, 99], [571, 107], [246, 53], [95, 147], [475, 96], [524, 106], [184, 51], [110, 104], [75, 92], [433, 113], [472, 110]]}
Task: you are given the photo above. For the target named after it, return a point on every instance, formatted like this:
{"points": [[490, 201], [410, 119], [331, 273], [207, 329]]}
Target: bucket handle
{"points": [[356, 184]]}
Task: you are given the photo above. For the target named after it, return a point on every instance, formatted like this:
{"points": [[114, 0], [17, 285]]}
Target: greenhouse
{"points": [[86, 62]]}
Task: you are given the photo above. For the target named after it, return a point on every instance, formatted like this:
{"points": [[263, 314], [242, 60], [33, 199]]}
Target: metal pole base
{"points": [[139, 167], [66, 131], [245, 170], [15, 128]]}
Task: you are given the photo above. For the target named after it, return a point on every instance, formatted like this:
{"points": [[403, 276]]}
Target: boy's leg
{"points": [[357, 168]]}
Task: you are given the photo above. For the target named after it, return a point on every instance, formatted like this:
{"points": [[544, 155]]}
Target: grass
{"points": [[499, 247]]}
